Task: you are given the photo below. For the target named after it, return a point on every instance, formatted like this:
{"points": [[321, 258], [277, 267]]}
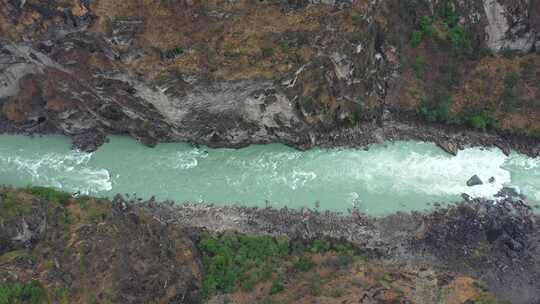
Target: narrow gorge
{"points": [[269, 151]]}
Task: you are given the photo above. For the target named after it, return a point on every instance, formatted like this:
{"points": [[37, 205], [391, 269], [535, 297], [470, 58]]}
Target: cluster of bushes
{"points": [[454, 37], [482, 121], [233, 261], [424, 31], [419, 67], [440, 112], [21, 293]]}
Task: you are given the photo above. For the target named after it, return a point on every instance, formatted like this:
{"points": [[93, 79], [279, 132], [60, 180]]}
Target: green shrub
{"points": [[303, 264], [417, 38], [460, 41], [277, 286], [284, 46], [320, 246], [440, 112], [426, 26], [177, 51], [448, 15], [425, 30], [511, 80], [481, 286], [482, 121], [21, 293], [174, 52], [49, 194], [419, 67], [345, 258], [267, 52], [249, 282], [234, 260]]}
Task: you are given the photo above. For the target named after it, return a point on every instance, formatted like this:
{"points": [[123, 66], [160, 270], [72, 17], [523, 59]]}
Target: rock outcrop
{"points": [[511, 32], [234, 74]]}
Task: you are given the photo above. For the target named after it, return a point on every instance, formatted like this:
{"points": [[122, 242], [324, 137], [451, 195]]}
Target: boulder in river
{"points": [[474, 181], [491, 180], [449, 147]]}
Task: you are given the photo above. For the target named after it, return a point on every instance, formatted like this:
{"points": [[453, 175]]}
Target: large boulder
{"points": [[474, 181]]}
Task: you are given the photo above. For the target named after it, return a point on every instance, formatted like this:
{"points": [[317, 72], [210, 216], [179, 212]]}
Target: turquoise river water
{"points": [[400, 176]]}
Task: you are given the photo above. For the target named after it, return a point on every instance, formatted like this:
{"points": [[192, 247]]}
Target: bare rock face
{"points": [[503, 235], [289, 71], [109, 68], [508, 26]]}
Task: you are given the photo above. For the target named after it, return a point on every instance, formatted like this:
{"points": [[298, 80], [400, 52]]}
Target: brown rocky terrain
{"points": [[87, 250], [302, 73]]}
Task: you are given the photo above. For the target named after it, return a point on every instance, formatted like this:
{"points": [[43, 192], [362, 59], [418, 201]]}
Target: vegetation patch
{"points": [[21, 293], [12, 206], [445, 29], [436, 112], [49, 194], [424, 31], [483, 121], [239, 262]]}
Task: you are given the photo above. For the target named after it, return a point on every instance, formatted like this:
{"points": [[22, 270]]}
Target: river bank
{"points": [[370, 85], [493, 243], [450, 138]]}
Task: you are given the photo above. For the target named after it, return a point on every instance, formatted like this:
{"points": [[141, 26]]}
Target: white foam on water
{"points": [[70, 171], [523, 162], [387, 178], [300, 178], [399, 170], [525, 175], [179, 160]]}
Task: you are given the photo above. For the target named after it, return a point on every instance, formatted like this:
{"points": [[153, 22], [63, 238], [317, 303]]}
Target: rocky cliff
{"points": [[300, 72], [58, 249]]}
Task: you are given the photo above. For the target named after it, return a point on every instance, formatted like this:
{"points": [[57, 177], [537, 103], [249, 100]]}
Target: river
{"points": [[399, 176]]}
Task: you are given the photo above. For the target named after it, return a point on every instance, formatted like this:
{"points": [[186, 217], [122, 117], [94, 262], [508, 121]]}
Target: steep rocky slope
{"points": [[59, 249], [230, 73]]}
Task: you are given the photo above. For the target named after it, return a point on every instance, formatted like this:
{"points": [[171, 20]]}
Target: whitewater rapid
{"points": [[400, 176]]}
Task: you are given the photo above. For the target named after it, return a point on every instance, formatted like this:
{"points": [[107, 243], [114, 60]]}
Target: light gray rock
{"points": [[504, 34]]}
